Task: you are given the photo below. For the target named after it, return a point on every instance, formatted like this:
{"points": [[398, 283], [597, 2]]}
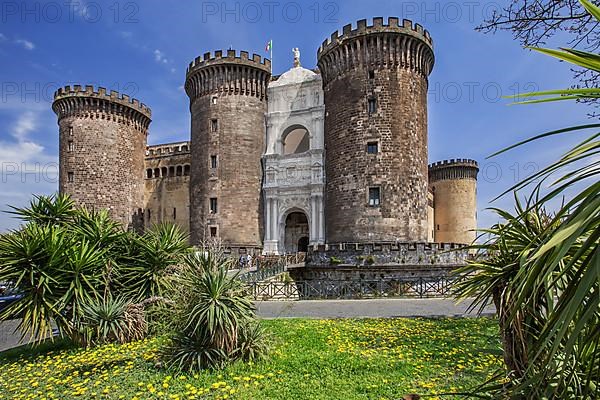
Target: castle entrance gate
{"points": [[296, 232]]}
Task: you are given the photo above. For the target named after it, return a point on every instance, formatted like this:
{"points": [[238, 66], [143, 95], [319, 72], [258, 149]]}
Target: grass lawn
{"points": [[311, 359]]}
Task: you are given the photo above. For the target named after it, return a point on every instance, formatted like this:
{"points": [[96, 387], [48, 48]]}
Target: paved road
{"points": [[372, 308], [8, 339]]}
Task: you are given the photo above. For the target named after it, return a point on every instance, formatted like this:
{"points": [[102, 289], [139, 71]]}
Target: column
{"points": [[314, 217], [268, 222], [274, 220], [321, 220]]}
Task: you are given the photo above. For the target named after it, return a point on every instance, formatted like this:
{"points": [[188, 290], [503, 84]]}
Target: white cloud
{"points": [[25, 124], [2, 37], [25, 167], [22, 150], [160, 57], [27, 45]]}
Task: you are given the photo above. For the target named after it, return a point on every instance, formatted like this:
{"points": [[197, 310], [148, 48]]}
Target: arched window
{"points": [[186, 170], [156, 172], [296, 140], [164, 171], [149, 173], [171, 171], [179, 170]]}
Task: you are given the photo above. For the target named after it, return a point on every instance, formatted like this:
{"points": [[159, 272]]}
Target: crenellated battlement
{"points": [[231, 56], [428, 255], [454, 162], [228, 74], [460, 168], [362, 28], [85, 102], [102, 94], [379, 45], [167, 150]]}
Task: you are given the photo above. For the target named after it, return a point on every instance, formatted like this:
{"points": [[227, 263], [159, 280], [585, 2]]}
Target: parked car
{"points": [[8, 295]]}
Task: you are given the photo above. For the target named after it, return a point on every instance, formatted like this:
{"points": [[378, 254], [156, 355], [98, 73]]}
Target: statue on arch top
{"points": [[296, 52]]}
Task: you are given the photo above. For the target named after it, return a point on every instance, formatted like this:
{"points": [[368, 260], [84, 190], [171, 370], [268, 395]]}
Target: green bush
{"points": [[211, 314], [253, 343], [66, 258], [110, 320], [149, 260], [59, 260]]}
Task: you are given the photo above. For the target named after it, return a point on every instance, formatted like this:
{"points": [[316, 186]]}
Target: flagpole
{"points": [[271, 56]]}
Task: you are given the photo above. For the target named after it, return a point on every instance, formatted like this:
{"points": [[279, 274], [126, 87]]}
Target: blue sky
{"points": [[143, 47]]}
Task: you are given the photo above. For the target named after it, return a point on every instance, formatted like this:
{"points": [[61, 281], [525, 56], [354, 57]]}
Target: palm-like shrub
{"points": [[47, 210], [495, 271], [211, 310], [66, 258], [110, 320], [147, 260], [55, 263], [543, 272], [253, 342]]}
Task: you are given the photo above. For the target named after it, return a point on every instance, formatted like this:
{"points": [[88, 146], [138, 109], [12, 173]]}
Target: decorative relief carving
{"points": [[288, 202]]}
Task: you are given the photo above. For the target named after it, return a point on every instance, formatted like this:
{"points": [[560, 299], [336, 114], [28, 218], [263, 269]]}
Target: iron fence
{"points": [[263, 273], [270, 266], [348, 289]]}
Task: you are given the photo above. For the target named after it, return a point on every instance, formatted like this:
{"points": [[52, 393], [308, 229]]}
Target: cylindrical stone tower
{"points": [[375, 80], [454, 186], [101, 150], [228, 102]]}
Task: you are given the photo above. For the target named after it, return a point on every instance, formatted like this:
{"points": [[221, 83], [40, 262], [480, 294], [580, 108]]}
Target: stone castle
{"points": [[280, 164]]}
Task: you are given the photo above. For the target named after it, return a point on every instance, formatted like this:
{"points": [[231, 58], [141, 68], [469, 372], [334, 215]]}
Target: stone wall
{"points": [[430, 217], [374, 261], [167, 185], [228, 102], [389, 66], [102, 138], [454, 184]]}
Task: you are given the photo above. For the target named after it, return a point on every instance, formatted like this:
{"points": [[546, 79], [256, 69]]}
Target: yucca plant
{"points": [[492, 275], [30, 259], [211, 308], [546, 281], [109, 320], [253, 342], [147, 260], [47, 210], [61, 258]]}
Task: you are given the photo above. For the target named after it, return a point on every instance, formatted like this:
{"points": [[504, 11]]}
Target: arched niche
{"points": [[295, 140]]}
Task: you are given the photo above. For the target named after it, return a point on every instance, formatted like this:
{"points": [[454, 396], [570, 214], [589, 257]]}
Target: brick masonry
{"points": [[228, 102], [390, 65], [102, 139], [454, 184], [374, 261], [167, 185]]}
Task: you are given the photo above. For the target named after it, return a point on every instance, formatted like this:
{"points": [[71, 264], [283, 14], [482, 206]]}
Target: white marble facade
{"points": [[294, 169]]}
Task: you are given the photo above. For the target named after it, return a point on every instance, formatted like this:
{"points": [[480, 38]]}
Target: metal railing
{"points": [[270, 266], [348, 289], [263, 273]]}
